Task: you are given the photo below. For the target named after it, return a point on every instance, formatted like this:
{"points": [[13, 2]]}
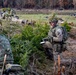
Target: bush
{"points": [[6, 9], [66, 25], [27, 43]]}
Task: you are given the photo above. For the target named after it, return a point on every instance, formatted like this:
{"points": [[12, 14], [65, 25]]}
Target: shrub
{"points": [[6, 9], [27, 43], [66, 25]]}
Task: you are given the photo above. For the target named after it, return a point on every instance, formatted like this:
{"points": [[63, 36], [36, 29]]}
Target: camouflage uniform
{"points": [[5, 48], [55, 38]]}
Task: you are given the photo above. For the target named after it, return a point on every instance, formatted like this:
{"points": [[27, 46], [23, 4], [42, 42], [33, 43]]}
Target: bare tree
{"points": [[37, 3], [5, 3]]}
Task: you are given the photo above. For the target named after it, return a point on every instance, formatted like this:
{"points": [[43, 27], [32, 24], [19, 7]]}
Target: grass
{"points": [[68, 18], [45, 17], [36, 17]]}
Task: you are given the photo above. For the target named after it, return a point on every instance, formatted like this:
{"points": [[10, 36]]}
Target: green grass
{"points": [[36, 17], [68, 18], [42, 17]]}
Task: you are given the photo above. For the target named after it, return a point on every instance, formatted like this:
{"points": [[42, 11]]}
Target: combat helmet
{"points": [[54, 20]]}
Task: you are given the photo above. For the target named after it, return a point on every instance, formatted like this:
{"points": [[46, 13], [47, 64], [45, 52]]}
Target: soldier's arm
{"points": [[48, 37], [59, 35]]}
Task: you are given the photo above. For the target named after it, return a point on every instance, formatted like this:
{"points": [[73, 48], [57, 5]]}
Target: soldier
{"points": [[6, 59], [56, 37], [12, 12], [55, 34]]}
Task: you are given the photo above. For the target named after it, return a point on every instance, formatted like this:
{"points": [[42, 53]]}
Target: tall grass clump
{"points": [[66, 25]]}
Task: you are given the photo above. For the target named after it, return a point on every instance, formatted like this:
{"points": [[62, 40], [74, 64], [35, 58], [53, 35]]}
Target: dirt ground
{"points": [[68, 57]]}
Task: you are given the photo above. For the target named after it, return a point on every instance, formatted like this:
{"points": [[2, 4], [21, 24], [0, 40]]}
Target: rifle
{"points": [[3, 64]]}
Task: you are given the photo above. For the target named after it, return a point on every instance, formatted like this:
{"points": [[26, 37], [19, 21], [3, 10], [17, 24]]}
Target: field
{"points": [[25, 40], [45, 17], [70, 53]]}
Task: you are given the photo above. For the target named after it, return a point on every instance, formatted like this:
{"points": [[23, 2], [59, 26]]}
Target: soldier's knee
{"points": [[48, 44]]}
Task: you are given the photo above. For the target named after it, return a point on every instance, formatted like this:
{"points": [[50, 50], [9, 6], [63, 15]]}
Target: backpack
{"points": [[64, 32]]}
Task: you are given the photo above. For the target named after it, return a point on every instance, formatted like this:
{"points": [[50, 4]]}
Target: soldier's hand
{"points": [[45, 39]]}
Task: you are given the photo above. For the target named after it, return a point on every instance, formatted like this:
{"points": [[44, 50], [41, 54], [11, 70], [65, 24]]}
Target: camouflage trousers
{"points": [[57, 47], [53, 48]]}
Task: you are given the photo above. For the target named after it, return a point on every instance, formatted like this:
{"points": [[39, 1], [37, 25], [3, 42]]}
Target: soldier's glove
{"points": [[45, 39], [46, 44]]}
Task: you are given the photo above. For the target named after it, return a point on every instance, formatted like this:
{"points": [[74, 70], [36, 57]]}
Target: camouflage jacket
{"points": [[55, 34], [5, 48]]}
